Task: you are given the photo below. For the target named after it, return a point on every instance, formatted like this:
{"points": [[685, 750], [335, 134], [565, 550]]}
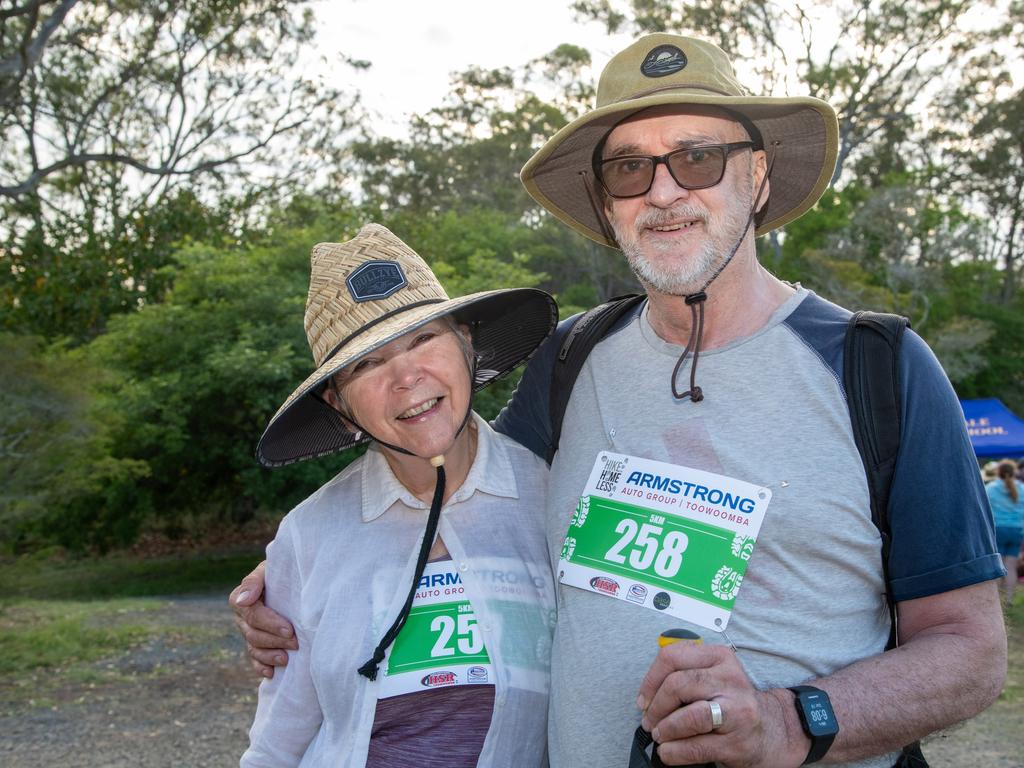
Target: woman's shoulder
{"points": [[342, 493]]}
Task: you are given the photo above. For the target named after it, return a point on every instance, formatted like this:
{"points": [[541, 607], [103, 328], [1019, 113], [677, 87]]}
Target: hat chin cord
{"points": [[370, 668], [696, 301]]}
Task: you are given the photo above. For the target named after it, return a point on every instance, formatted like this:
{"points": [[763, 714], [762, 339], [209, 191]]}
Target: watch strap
{"points": [[819, 744]]}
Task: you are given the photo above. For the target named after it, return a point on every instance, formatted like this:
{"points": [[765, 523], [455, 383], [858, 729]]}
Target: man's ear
{"points": [[760, 169]]}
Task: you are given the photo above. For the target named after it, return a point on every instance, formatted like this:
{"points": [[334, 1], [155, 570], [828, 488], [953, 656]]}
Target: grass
{"points": [[121, 576], [1013, 691], [61, 618], [53, 649], [36, 634]]}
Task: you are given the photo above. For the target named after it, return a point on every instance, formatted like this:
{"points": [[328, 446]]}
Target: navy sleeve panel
{"points": [[526, 418], [942, 531], [821, 325], [943, 537]]}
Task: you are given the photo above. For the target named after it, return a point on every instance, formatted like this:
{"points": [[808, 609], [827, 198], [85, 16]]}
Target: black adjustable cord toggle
{"points": [[695, 298]]}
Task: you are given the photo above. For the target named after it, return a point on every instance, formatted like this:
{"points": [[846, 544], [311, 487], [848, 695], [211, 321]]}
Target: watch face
{"points": [[818, 715]]}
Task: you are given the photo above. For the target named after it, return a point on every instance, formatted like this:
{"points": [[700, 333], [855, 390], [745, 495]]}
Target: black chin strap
{"points": [[696, 300], [370, 668]]}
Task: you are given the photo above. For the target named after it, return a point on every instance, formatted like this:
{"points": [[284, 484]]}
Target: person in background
{"points": [[1006, 497], [446, 615]]}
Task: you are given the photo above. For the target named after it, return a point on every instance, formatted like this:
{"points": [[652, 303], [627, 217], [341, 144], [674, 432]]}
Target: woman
{"points": [[445, 614], [1005, 498]]}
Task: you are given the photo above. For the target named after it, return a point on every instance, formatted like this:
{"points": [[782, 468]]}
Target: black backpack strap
{"points": [[871, 380], [589, 328]]}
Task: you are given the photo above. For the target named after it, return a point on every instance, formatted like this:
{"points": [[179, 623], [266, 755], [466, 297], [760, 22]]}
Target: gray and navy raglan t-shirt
{"points": [[774, 414]]}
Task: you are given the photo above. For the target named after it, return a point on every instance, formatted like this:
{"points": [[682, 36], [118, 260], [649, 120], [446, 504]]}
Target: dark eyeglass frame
{"points": [[725, 149]]}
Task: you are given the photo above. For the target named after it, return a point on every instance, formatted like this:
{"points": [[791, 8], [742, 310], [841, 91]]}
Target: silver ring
{"points": [[716, 715]]}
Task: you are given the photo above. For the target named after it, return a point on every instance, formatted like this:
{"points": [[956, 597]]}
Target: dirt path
{"points": [[187, 697]]}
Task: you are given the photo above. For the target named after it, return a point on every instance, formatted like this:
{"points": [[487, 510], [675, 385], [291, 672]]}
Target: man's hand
{"points": [[950, 665], [267, 634], [755, 729]]}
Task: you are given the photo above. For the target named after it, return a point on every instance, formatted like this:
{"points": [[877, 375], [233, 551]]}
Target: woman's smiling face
{"points": [[413, 392]]}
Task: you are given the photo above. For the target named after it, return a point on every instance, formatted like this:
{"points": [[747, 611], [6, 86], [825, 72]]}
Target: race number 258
{"points": [[646, 545]]}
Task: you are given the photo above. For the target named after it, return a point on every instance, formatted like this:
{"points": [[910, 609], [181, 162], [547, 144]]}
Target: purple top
{"points": [[439, 728]]}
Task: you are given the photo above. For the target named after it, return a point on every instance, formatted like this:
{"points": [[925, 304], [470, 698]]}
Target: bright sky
{"points": [[414, 45]]}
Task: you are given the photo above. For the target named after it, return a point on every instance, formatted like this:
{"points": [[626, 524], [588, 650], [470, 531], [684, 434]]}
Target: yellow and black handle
{"points": [[638, 757]]}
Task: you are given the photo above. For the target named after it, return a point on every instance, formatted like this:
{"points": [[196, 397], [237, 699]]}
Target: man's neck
{"points": [[740, 301]]}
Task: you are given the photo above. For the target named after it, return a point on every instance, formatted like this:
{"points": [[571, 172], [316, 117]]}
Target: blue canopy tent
{"points": [[993, 428]]}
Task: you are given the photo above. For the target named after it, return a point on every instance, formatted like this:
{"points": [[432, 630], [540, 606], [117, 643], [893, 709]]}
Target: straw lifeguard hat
{"points": [[661, 69], [365, 293]]}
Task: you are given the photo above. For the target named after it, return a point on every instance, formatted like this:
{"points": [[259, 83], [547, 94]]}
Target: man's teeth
{"points": [[419, 409], [674, 227]]}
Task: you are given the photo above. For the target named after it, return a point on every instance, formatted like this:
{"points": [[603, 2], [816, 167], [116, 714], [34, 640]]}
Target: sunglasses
{"points": [[691, 168]]}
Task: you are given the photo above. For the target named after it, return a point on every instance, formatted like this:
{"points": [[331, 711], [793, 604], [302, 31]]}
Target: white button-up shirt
{"points": [[341, 577]]}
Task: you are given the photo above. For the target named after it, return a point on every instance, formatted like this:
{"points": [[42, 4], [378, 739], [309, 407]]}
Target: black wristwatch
{"points": [[817, 718]]}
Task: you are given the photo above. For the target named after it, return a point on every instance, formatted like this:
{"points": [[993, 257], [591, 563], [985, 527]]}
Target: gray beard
{"points": [[682, 280], [674, 276]]}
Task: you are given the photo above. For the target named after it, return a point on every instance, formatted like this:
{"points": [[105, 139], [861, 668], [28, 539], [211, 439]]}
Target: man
{"points": [[728, 373]]}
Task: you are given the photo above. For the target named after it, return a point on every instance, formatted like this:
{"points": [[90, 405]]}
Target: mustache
{"points": [[661, 217]]}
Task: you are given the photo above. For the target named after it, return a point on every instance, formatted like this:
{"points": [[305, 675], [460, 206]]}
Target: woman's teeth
{"points": [[416, 411]]}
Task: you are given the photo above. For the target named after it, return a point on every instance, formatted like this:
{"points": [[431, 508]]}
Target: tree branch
{"points": [[31, 51]]}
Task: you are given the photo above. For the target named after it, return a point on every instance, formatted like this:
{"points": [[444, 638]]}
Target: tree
{"points": [[464, 157], [175, 395], [55, 451], [467, 152], [988, 165], [113, 113], [874, 61]]}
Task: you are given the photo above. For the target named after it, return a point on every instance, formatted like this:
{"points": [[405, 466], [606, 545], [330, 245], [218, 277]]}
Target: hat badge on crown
{"points": [[375, 280], [663, 60]]}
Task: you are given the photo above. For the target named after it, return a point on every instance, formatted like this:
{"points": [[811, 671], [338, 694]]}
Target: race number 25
{"points": [[648, 546], [466, 632]]}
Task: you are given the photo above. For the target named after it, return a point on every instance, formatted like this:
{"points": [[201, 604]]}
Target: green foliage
{"points": [[199, 375], [55, 450], [65, 279], [160, 314]]}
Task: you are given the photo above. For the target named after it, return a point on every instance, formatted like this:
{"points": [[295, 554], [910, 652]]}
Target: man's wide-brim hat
{"points": [[365, 293], [801, 132]]}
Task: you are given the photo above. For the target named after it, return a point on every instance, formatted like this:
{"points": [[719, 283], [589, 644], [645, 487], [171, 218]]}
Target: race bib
{"points": [[441, 643], [666, 537]]}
